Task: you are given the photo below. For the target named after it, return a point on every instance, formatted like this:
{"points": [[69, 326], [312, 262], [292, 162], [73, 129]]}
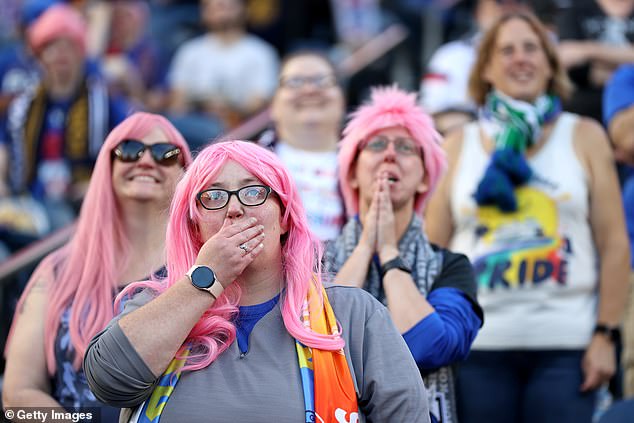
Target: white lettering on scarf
{"points": [[340, 415]]}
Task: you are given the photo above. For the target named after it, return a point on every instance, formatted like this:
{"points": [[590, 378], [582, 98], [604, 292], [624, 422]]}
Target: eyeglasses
{"points": [[403, 146], [318, 81], [163, 153], [216, 198]]}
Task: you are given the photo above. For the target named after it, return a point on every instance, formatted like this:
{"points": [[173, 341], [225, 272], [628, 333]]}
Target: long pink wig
{"points": [[301, 251], [390, 107], [85, 271]]}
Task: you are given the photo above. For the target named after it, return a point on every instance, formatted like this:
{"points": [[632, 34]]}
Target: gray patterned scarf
{"points": [[415, 250], [413, 246]]}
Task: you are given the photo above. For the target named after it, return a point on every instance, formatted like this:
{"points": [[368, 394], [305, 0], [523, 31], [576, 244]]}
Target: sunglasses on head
{"points": [[163, 153]]}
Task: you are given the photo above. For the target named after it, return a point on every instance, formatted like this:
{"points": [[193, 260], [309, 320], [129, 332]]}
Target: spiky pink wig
{"points": [[301, 251], [58, 21], [390, 107], [85, 271]]}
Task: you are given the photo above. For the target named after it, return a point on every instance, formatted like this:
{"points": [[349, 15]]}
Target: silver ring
{"points": [[243, 247]]}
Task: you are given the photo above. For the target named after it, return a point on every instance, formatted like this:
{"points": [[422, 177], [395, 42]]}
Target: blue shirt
{"points": [[446, 335], [248, 317]]}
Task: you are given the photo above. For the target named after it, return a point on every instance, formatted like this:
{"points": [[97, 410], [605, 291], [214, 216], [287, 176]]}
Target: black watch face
{"points": [[203, 277]]}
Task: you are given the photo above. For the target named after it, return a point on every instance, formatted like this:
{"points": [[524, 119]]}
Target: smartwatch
{"points": [[203, 278], [613, 333], [395, 263]]}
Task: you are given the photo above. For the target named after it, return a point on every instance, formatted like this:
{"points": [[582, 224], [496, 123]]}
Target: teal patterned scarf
{"points": [[516, 126]]}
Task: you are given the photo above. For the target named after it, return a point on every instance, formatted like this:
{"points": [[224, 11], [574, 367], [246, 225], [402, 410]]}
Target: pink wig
{"points": [[301, 251], [85, 272], [390, 107], [58, 21]]}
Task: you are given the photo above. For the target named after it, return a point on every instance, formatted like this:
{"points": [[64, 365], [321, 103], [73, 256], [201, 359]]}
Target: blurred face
{"points": [[308, 95], [221, 15], [232, 177], [145, 180], [127, 22], [392, 152], [518, 66], [62, 60]]}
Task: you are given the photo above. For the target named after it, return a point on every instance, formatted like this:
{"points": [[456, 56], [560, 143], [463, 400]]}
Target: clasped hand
{"points": [[379, 225]]}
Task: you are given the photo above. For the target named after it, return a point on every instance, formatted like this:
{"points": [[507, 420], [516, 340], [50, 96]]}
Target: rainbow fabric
{"points": [[329, 393], [152, 408]]}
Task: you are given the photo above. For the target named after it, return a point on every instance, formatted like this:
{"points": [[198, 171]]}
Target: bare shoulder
{"points": [[591, 145], [593, 148], [36, 292], [44, 274], [590, 137]]}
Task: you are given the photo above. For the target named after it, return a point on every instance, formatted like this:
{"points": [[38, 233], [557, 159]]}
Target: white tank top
{"points": [[537, 268]]}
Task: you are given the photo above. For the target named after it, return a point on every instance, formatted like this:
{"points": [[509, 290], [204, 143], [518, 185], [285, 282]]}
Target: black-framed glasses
{"points": [[299, 81], [217, 198], [403, 146], [163, 153]]}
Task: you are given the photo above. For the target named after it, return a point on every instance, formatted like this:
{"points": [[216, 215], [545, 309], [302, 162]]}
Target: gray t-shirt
{"points": [[265, 383]]}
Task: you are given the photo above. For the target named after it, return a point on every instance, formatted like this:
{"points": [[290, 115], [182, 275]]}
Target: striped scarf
{"points": [[85, 130], [515, 126], [329, 393]]}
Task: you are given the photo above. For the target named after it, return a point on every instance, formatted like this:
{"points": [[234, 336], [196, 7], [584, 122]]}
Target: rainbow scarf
{"points": [[152, 408], [324, 373], [329, 393]]}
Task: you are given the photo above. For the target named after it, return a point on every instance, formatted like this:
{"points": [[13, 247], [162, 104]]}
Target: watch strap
{"points": [[612, 332], [216, 289], [395, 263]]}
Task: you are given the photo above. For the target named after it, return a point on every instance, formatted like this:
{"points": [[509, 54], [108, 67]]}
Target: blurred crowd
{"points": [[73, 71]]}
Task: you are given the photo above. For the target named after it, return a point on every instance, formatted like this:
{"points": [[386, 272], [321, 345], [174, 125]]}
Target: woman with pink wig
{"points": [[242, 329], [119, 238], [389, 162]]}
